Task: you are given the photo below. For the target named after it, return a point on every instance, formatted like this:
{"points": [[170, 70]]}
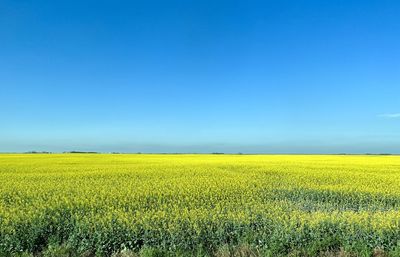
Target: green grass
{"points": [[199, 205]]}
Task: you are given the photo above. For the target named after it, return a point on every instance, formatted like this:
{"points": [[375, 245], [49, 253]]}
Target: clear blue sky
{"points": [[200, 76]]}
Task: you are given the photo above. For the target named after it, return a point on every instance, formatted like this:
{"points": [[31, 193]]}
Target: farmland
{"points": [[203, 205]]}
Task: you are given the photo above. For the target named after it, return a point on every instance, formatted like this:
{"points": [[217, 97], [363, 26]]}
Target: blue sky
{"points": [[200, 76]]}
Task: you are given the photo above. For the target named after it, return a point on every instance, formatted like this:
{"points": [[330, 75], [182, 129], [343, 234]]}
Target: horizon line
{"points": [[195, 153]]}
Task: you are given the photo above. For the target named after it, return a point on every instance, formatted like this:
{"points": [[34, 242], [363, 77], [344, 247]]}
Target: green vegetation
{"points": [[199, 205]]}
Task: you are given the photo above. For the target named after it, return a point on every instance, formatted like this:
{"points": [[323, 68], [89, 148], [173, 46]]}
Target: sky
{"points": [[200, 76]]}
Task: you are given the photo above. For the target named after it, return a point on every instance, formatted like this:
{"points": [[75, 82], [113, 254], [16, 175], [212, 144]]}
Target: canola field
{"points": [[199, 205]]}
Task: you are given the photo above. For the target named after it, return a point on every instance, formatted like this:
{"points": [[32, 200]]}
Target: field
{"points": [[199, 205]]}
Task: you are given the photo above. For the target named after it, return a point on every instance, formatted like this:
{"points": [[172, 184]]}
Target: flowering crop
{"points": [[103, 203]]}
